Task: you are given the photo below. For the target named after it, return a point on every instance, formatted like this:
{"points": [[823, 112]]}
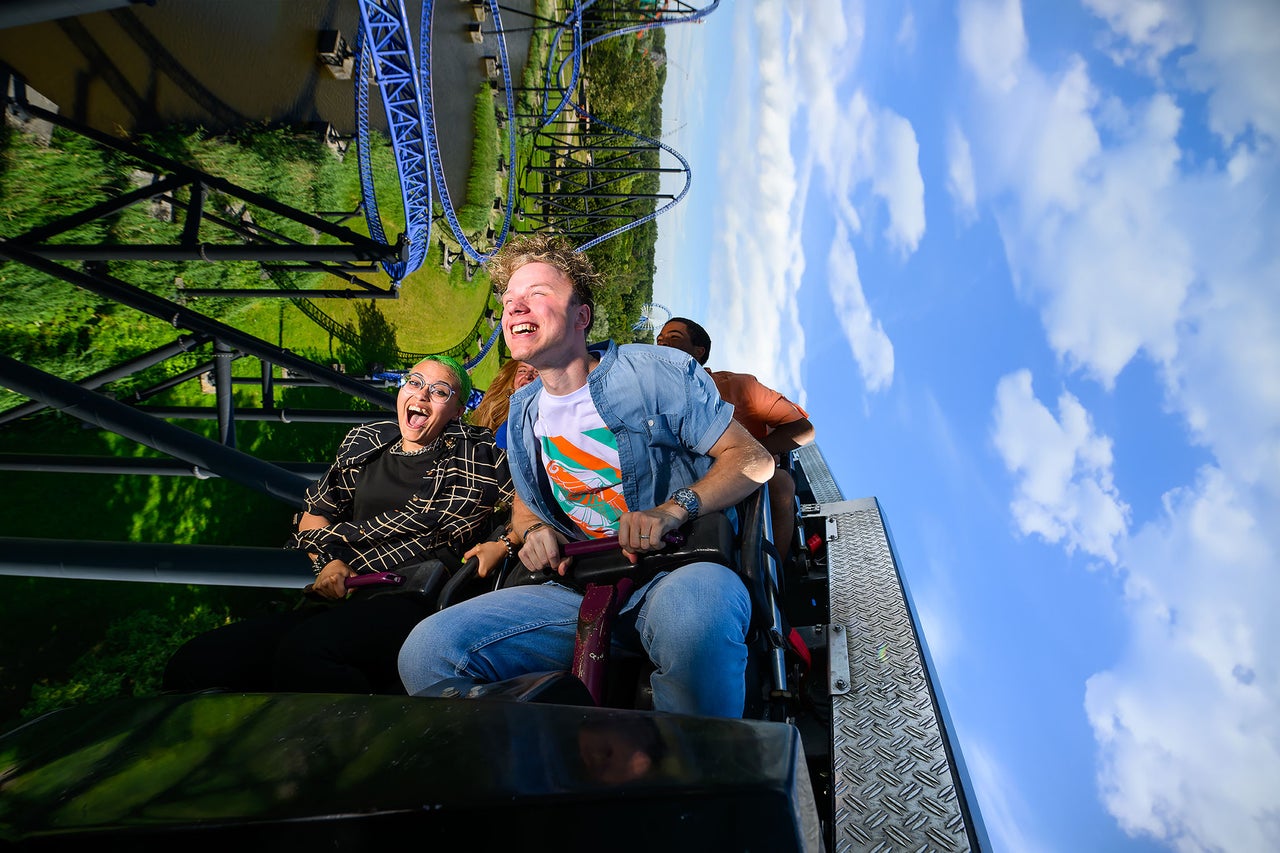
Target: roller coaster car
{"points": [[534, 762]]}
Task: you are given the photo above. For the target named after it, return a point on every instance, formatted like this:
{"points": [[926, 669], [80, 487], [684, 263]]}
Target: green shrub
{"points": [[130, 660], [474, 215]]}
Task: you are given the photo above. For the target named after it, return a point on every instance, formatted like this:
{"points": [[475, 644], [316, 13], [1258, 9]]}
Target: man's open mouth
{"points": [[523, 329], [415, 417]]}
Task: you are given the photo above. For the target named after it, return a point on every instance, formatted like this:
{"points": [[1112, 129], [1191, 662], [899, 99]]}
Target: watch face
{"points": [[688, 499]]}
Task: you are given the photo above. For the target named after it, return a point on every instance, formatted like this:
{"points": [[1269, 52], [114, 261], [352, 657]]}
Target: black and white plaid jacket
{"points": [[453, 506]]}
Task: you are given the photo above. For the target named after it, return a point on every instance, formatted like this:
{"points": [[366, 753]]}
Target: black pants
{"points": [[344, 647]]}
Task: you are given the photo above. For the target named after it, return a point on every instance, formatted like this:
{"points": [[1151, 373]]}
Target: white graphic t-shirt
{"points": [[580, 456]]}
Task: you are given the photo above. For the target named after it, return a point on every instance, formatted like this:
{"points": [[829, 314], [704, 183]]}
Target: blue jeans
{"points": [[692, 623]]}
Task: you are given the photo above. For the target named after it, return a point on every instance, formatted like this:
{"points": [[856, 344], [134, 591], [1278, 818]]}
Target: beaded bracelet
{"points": [[511, 549], [319, 561]]}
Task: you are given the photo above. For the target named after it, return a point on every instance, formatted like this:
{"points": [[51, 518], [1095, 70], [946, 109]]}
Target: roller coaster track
{"points": [[383, 45], [575, 25], [383, 50], [692, 16], [433, 142], [343, 333]]}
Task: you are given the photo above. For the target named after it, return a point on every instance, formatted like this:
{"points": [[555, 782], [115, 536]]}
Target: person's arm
{"points": [[489, 555], [789, 436], [311, 521], [538, 543], [330, 582], [333, 493], [452, 512], [788, 424], [329, 499], [741, 466]]}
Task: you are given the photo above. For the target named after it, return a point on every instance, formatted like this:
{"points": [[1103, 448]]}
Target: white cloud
{"points": [[1145, 31], [1116, 273], [1238, 60], [1003, 812], [1063, 142], [992, 41], [1186, 721], [1087, 229], [871, 145], [960, 181], [801, 55], [871, 347], [896, 179], [1224, 376], [1041, 139], [1230, 50], [1065, 491], [1128, 247], [907, 35], [756, 267]]}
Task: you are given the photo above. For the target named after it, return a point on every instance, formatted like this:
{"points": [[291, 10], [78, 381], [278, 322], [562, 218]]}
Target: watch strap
{"points": [[688, 499]]}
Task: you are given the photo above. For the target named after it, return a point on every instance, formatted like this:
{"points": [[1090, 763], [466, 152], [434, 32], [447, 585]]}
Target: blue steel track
{"points": [[384, 52]]}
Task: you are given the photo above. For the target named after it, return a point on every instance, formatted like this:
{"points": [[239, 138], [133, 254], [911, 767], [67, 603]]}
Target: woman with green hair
{"points": [[408, 496]]}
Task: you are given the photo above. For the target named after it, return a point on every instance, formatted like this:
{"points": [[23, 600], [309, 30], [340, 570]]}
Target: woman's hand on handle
{"points": [[490, 556], [331, 582]]}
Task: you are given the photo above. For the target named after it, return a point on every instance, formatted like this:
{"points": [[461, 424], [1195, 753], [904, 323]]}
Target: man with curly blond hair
{"points": [[631, 441]]}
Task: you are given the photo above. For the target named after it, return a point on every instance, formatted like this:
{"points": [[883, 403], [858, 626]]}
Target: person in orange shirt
{"points": [[773, 420]]}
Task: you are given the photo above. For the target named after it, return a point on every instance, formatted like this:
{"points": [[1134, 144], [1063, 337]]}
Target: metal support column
{"points": [[104, 412], [222, 357], [195, 210], [268, 385], [180, 316], [207, 565], [186, 343]]}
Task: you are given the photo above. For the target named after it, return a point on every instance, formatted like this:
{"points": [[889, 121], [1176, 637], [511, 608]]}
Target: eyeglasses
{"points": [[439, 392]]}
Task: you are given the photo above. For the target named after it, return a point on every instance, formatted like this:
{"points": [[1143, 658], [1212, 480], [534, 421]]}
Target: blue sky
{"points": [[1020, 264]]}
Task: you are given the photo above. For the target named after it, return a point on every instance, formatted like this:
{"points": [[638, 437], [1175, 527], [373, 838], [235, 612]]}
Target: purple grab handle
{"points": [[374, 579], [610, 543]]}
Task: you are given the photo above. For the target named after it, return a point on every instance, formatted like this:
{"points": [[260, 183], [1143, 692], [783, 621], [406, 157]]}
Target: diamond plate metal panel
{"points": [[815, 468], [894, 788], [893, 782]]}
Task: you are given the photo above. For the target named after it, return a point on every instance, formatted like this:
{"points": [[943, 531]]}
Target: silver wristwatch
{"points": [[689, 500]]}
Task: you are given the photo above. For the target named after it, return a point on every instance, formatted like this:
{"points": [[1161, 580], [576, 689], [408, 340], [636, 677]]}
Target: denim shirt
{"points": [[664, 412]]}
